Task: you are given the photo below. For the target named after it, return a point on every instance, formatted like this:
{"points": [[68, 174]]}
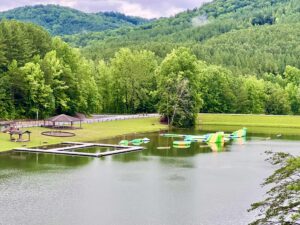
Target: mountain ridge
{"points": [[61, 20]]}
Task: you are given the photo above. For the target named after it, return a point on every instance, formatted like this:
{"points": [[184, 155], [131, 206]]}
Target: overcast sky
{"points": [[142, 8]]}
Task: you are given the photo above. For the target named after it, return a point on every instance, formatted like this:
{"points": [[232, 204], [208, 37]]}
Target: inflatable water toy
{"points": [[218, 137], [183, 144], [124, 143], [173, 135], [163, 148], [239, 133]]}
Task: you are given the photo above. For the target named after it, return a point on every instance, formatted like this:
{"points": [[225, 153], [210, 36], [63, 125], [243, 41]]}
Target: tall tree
{"points": [[53, 72], [133, 77], [276, 101], [39, 98], [217, 89], [253, 90], [178, 78]]}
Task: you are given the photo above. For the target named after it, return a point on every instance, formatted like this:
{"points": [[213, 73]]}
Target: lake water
{"points": [[200, 185]]}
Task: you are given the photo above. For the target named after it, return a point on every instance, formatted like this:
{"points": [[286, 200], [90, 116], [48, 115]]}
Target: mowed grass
{"points": [[265, 124], [250, 120], [90, 132]]}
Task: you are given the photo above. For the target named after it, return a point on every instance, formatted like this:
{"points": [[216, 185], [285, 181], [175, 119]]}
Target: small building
{"points": [[63, 122], [19, 134]]}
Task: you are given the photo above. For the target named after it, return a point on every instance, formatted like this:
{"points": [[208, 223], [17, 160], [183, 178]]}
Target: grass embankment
{"points": [[269, 124], [90, 132]]}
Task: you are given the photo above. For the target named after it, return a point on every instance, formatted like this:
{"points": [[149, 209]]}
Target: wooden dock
{"points": [[70, 150]]}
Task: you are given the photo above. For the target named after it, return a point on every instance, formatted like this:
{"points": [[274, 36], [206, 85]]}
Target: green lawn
{"points": [[250, 120], [289, 125], [90, 132]]}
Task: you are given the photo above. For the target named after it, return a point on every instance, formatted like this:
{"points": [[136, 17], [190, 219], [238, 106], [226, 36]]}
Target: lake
{"points": [[199, 185]]}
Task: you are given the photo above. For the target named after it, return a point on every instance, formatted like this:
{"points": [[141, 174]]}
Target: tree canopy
{"points": [[60, 20], [178, 82], [282, 205], [42, 74]]}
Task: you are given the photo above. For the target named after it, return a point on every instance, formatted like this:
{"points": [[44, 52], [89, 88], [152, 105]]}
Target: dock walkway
{"points": [[70, 150]]}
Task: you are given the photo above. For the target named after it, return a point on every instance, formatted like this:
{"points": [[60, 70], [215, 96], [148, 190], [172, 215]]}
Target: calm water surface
{"points": [[200, 185]]}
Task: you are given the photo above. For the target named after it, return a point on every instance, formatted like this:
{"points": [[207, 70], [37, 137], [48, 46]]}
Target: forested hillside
{"points": [[249, 37], [238, 60], [210, 20], [60, 20], [256, 50]]}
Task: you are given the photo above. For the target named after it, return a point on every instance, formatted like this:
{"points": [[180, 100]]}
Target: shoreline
{"points": [[266, 124], [89, 133]]}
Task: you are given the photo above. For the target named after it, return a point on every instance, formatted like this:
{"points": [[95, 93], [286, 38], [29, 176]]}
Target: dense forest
{"points": [[225, 57], [40, 73], [60, 20], [240, 35]]}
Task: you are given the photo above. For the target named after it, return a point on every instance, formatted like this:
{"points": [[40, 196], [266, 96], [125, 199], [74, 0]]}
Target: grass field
{"points": [[90, 132], [250, 120], [289, 125]]}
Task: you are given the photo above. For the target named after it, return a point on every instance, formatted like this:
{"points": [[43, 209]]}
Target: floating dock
{"points": [[70, 150]]}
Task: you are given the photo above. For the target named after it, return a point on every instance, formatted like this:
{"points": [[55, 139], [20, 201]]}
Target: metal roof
{"points": [[63, 118]]}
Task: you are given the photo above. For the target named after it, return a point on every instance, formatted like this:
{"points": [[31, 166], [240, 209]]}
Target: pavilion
{"points": [[20, 134], [62, 122]]}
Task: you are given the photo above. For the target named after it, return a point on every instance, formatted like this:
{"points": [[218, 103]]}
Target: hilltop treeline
{"points": [[40, 73], [60, 20], [247, 37]]}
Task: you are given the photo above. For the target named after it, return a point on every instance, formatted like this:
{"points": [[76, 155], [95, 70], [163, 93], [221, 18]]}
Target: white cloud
{"points": [[134, 9]]}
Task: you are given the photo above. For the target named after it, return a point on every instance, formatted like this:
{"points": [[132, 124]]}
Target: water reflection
{"points": [[240, 141], [155, 186], [32, 162], [217, 147]]}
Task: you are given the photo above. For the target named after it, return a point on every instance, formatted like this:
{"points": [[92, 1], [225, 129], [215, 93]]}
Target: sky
{"points": [[143, 8]]}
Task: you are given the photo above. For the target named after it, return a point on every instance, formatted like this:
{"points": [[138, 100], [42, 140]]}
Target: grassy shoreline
{"points": [[289, 125], [90, 132]]}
